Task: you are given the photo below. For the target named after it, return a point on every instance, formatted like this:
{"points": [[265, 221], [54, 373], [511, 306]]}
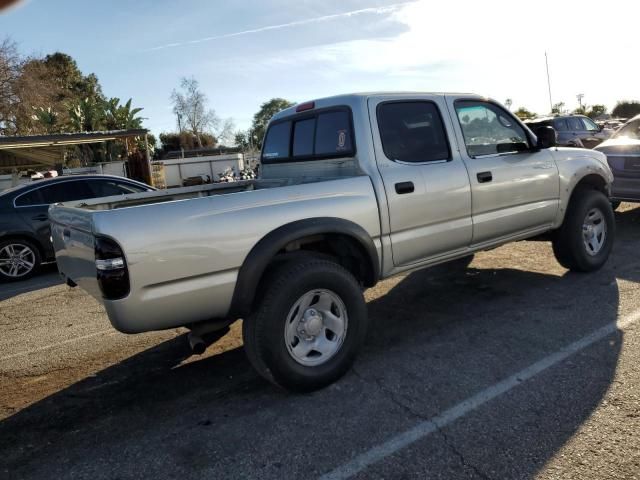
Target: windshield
{"points": [[630, 130]]}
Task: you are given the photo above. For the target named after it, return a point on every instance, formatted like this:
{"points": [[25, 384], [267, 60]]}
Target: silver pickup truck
{"points": [[353, 189]]}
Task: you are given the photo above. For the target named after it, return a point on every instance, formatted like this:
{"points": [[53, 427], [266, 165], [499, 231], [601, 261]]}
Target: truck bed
{"points": [[184, 247]]}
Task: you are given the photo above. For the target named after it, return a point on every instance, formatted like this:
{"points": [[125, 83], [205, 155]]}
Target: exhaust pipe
{"points": [[197, 344], [204, 334]]}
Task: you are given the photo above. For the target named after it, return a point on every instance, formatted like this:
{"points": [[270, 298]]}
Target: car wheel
{"points": [[19, 260], [585, 239], [308, 326]]}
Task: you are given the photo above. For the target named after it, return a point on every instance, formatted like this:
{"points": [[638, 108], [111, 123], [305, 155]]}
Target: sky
{"points": [[245, 52]]}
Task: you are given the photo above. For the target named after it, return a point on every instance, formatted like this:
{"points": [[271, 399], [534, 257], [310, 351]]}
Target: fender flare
{"points": [[265, 250]]}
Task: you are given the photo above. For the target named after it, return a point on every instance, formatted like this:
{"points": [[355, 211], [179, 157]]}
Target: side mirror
{"points": [[547, 137]]}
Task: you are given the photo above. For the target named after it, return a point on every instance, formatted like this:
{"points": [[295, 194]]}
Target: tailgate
{"points": [[73, 241]]}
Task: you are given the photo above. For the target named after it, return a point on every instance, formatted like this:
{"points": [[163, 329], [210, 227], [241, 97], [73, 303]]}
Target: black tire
{"points": [[264, 330], [568, 244], [35, 257], [615, 204]]}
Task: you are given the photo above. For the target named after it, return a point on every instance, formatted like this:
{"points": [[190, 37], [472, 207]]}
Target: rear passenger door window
{"points": [[412, 132], [102, 188], [560, 124], [575, 125], [66, 192], [30, 199]]}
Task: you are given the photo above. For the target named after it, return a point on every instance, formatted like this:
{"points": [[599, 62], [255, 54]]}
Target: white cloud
{"points": [[324, 18], [490, 47]]}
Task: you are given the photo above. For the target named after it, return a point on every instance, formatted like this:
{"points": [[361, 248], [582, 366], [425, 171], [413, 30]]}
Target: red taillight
{"points": [[303, 107], [111, 269]]}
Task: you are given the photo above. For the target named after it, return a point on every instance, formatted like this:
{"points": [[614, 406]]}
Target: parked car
{"points": [[623, 155], [25, 236], [574, 130], [353, 189]]}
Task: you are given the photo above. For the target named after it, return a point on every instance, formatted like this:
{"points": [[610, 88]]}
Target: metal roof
{"points": [[29, 150], [32, 141]]}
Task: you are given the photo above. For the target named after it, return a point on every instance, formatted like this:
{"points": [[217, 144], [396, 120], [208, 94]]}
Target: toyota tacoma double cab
{"points": [[353, 189]]}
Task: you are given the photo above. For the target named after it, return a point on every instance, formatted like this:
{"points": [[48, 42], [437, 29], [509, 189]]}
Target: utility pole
{"points": [[580, 96], [508, 102], [546, 60]]}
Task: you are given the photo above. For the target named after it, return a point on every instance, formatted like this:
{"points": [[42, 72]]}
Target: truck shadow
{"points": [[437, 337]]}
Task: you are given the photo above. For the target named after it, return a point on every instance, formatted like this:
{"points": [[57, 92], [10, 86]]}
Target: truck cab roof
{"points": [[350, 99]]}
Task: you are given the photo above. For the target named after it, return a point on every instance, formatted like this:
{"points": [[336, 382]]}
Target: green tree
{"points": [[87, 115], [71, 82], [558, 108], [121, 117], [48, 118], [524, 114], [626, 109], [261, 119], [596, 110]]}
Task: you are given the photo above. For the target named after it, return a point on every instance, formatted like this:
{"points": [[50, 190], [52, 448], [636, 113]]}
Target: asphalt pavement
{"points": [[509, 368]]}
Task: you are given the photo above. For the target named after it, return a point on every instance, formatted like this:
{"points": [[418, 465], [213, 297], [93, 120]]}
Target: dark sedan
{"points": [[623, 155], [25, 236]]}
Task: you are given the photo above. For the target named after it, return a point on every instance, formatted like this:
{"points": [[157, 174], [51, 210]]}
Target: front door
{"points": [[425, 180], [514, 187]]}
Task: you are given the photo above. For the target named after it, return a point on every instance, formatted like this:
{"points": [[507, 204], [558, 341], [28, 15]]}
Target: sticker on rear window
{"points": [[342, 140]]}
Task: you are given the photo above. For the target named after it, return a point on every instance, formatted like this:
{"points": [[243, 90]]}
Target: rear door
{"points": [[578, 135], [593, 135], [515, 189], [425, 180], [33, 205]]}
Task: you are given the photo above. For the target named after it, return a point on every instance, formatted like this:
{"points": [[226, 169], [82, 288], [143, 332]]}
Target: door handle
{"points": [[484, 177], [404, 187], [43, 217], [66, 233]]}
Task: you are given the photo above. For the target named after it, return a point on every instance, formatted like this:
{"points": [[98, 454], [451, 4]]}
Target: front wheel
{"points": [[308, 326], [584, 241], [19, 260]]}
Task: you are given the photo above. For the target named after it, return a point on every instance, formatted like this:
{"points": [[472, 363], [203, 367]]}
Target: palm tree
{"points": [[47, 118]]}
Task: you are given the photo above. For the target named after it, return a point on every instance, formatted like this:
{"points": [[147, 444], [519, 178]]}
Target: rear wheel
{"points": [[19, 260], [308, 326], [585, 239]]}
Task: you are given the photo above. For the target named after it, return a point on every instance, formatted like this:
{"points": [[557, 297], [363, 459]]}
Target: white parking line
{"points": [[427, 427], [54, 345]]}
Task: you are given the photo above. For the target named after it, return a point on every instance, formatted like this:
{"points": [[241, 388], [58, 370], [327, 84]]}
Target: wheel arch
{"points": [[344, 240], [593, 180]]}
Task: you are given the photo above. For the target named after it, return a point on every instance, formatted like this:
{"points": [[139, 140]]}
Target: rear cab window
{"points": [[315, 135]]}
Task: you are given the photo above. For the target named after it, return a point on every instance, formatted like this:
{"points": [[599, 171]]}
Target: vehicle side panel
{"points": [[184, 256]]}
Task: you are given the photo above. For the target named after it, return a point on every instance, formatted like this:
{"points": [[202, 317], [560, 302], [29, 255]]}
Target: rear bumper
{"points": [[173, 304]]}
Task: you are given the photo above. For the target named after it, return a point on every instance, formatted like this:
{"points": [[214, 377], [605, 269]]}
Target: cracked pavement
{"points": [[107, 405]]}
